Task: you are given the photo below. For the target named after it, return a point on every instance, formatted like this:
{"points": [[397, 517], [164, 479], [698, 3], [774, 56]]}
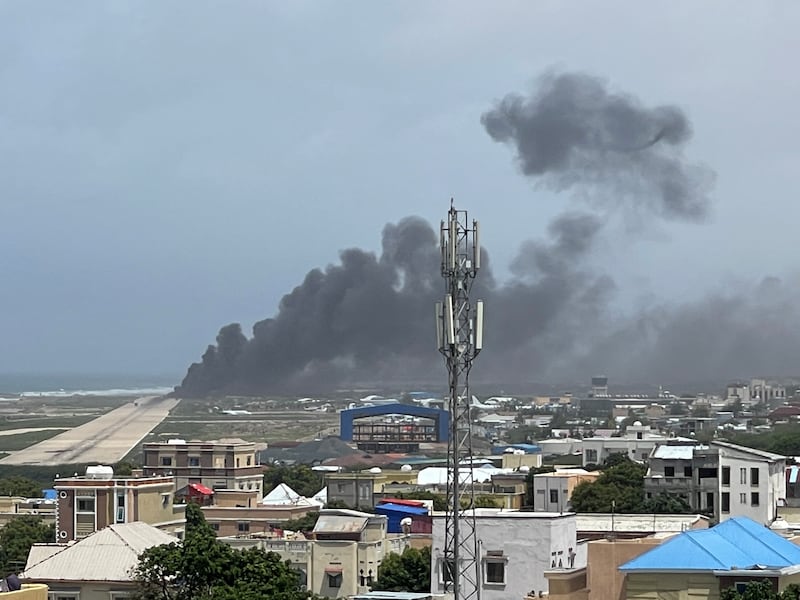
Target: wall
{"points": [[603, 579], [671, 586], [29, 591], [89, 590]]}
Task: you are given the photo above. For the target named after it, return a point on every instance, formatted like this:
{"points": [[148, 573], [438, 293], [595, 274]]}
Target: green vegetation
{"points": [[620, 488], [20, 486], [60, 421], [781, 439], [406, 572], [439, 501], [20, 441], [201, 566], [17, 537], [762, 590], [300, 478]]}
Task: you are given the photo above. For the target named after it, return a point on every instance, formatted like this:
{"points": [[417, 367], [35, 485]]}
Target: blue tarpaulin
{"points": [[396, 513]]}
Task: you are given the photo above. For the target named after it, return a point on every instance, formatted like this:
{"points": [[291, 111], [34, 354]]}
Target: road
{"points": [[106, 439]]}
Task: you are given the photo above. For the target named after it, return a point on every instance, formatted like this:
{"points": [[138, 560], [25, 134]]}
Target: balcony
{"points": [[29, 591]]}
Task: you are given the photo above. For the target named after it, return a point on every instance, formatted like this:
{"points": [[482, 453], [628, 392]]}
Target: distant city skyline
{"points": [[167, 169]]}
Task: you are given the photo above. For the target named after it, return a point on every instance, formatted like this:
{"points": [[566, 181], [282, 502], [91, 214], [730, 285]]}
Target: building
{"points": [[98, 499], [636, 443], [394, 427], [222, 464], [14, 506], [97, 567], [595, 526], [701, 564], [360, 488], [552, 491], [516, 548], [28, 591], [719, 479], [343, 555]]}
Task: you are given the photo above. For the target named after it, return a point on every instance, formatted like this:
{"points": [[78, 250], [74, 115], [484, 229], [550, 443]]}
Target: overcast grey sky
{"points": [[169, 167]]}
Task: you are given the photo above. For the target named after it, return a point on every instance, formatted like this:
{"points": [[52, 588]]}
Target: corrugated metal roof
{"points": [[675, 452], [738, 543], [402, 508], [339, 524], [106, 555]]}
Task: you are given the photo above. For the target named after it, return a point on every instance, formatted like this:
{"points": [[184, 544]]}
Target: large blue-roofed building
{"points": [[730, 554], [394, 427]]}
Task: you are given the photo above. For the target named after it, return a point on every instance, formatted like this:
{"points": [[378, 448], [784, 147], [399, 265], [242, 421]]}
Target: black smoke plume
{"points": [[368, 318]]}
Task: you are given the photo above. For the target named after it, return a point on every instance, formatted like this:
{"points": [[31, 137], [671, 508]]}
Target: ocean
{"points": [[69, 384]]}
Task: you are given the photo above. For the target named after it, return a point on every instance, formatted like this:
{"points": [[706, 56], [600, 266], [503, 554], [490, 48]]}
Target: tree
{"points": [[439, 501], [20, 486], [620, 488], [761, 590], [17, 537], [406, 572], [304, 523], [300, 478], [201, 566]]}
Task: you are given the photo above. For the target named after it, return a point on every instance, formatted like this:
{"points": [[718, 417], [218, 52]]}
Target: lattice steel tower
{"points": [[460, 338]]}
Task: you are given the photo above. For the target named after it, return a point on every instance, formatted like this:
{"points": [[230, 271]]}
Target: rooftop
{"points": [[736, 544], [630, 523]]}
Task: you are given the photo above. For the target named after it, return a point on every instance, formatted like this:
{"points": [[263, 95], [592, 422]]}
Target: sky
{"points": [[170, 167]]}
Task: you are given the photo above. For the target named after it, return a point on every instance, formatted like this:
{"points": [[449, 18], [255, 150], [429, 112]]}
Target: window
{"points": [[743, 476], [340, 488], [591, 456], [237, 462], [638, 435], [194, 461], [687, 471], [363, 492], [495, 571], [214, 526], [554, 496], [249, 460], [63, 596], [726, 475], [540, 492], [669, 471], [166, 461], [334, 580], [243, 526], [754, 476], [447, 569], [754, 498], [726, 502], [742, 498], [85, 505]]}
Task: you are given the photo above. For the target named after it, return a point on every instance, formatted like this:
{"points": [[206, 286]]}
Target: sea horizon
{"points": [[86, 384]]}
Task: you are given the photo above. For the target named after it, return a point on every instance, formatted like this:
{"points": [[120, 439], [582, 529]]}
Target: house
{"points": [[343, 555], [516, 548], [90, 502], [720, 479], [243, 513], [552, 491], [706, 562], [97, 566], [219, 464], [636, 443]]}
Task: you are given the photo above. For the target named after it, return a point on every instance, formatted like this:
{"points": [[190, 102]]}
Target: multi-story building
{"points": [[343, 556], [720, 479], [222, 464], [552, 491], [636, 443], [88, 503], [511, 563]]}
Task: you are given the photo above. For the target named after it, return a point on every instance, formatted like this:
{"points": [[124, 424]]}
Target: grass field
{"points": [[10, 443], [65, 421]]}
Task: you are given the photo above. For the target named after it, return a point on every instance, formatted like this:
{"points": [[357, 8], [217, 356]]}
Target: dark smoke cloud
{"points": [[368, 318], [573, 131]]}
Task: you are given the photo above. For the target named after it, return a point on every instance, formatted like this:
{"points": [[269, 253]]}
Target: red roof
{"points": [[403, 502], [199, 487]]}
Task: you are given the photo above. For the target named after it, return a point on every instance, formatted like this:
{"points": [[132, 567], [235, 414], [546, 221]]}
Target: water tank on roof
{"points": [[405, 468], [176, 441], [375, 470], [100, 472], [637, 423]]}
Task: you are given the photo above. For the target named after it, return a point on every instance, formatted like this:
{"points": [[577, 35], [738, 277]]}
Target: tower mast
{"points": [[460, 339]]}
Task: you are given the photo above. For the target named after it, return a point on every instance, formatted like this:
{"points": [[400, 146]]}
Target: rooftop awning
{"points": [[199, 487]]}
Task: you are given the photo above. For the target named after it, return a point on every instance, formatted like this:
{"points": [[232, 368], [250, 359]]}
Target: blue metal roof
{"points": [[411, 510], [738, 543], [441, 417]]}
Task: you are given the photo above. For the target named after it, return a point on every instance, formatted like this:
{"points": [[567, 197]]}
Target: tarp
{"points": [[199, 487]]}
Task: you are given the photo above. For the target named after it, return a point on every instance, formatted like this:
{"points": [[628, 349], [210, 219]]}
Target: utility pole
{"points": [[459, 327]]}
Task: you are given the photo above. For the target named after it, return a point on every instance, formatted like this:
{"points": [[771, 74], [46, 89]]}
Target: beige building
{"points": [[221, 464], [343, 557], [239, 513], [552, 491], [97, 567], [91, 502], [14, 506], [29, 591]]}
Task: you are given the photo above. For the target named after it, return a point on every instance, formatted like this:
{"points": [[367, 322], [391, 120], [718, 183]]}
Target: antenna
{"points": [[459, 337]]}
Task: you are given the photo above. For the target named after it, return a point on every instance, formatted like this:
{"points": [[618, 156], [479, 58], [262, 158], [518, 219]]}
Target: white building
{"points": [[636, 443], [515, 549], [720, 479]]}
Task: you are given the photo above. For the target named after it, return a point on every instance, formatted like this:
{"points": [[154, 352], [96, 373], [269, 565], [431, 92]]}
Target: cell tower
{"points": [[460, 339]]}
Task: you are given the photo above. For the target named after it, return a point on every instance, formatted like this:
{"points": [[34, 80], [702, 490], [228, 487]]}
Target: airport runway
{"points": [[106, 439]]}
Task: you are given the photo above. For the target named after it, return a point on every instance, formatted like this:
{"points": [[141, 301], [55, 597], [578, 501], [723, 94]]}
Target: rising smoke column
{"points": [[369, 317]]}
